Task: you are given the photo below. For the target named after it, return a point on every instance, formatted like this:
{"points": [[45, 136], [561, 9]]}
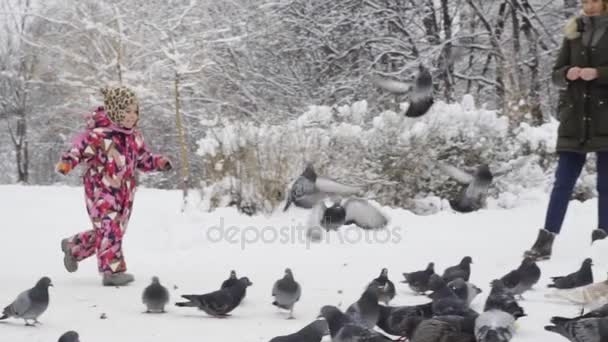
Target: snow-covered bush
{"points": [[391, 156]]}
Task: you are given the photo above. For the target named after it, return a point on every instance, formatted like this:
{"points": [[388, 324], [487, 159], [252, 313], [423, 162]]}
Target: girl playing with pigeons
{"points": [[113, 149]]}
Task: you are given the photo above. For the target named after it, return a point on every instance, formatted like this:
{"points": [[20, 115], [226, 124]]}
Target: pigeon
{"points": [[523, 278], [445, 301], [464, 323], [597, 313], [348, 211], [286, 292], [30, 304], [494, 326], [366, 310], [437, 330], [419, 281], [464, 290], [155, 297], [592, 296], [221, 302], [582, 277], [501, 299], [420, 92], [403, 320], [70, 336], [386, 287], [462, 270], [309, 189], [473, 197], [313, 332], [342, 328], [583, 330], [232, 280], [598, 234]]}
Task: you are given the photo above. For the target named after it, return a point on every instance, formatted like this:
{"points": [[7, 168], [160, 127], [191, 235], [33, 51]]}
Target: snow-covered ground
{"points": [[184, 251]]}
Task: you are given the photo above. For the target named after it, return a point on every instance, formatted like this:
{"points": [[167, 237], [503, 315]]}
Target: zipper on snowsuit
{"points": [[587, 96]]}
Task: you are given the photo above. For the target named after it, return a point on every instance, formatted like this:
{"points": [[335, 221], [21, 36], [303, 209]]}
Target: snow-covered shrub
{"points": [[391, 156]]}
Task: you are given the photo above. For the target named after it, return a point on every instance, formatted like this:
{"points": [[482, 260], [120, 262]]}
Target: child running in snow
{"points": [[112, 148]]}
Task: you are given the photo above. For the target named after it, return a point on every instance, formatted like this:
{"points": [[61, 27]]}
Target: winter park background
{"points": [[240, 94]]}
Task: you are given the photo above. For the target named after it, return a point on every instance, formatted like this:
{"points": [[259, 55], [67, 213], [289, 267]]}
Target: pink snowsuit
{"points": [[112, 154]]}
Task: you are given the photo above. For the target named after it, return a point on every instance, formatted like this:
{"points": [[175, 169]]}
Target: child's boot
{"points": [[70, 263], [541, 250], [117, 279]]}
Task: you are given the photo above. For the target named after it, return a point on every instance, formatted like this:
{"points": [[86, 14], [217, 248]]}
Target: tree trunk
{"points": [[182, 141], [446, 63]]}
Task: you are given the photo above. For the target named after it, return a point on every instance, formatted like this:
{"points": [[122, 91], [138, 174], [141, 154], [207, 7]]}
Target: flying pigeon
{"points": [[420, 92], [348, 211]]}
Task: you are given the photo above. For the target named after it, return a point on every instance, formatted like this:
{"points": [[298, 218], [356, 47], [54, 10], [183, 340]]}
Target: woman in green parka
{"points": [[581, 71]]}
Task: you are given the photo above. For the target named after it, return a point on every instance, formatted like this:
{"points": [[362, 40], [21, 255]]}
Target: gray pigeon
{"points": [[437, 330], [313, 332], [464, 290], [598, 234], [70, 336], [462, 270], [366, 310], [473, 197], [418, 281], [286, 292], [385, 286], [420, 92], [348, 211], [403, 320], [582, 330], [523, 278], [597, 313], [342, 328], [232, 280], [309, 189], [501, 299], [494, 326], [582, 277], [445, 301], [155, 297], [221, 302], [30, 304]]}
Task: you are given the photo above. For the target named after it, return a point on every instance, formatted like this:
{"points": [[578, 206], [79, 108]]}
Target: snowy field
{"points": [[188, 254]]}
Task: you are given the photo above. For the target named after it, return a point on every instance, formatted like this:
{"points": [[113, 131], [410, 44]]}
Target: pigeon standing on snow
{"points": [[313, 332], [501, 299], [494, 326], [70, 336], [355, 211], [473, 197], [386, 288], [592, 296], [221, 302], [286, 292], [403, 320], [462, 270], [582, 277], [342, 328], [420, 93], [309, 189], [366, 310], [418, 281], [30, 304], [155, 297], [583, 330], [445, 301], [597, 313], [232, 280], [523, 278], [464, 290], [435, 329]]}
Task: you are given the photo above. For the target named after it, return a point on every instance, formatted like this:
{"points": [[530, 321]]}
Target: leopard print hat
{"points": [[116, 100]]}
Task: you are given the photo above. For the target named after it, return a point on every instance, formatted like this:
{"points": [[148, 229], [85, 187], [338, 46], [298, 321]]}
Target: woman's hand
{"points": [[573, 73], [63, 168], [165, 164], [589, 74]]}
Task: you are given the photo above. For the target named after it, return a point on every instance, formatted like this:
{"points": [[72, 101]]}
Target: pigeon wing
{"points": [[457, 174]]}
